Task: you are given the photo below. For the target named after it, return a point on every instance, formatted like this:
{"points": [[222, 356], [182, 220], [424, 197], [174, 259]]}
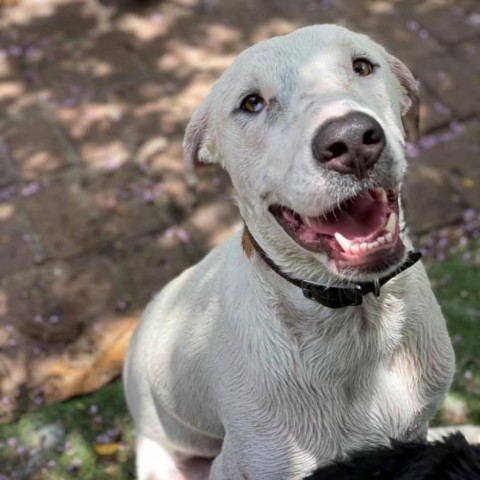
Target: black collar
{"points": [[336, 297]]}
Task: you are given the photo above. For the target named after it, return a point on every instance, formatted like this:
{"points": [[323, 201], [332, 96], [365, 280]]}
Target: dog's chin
{"points": [[360, 236]]}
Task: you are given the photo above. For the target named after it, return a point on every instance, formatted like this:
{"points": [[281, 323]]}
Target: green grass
{"points": [[84, 419], [457, 285]]}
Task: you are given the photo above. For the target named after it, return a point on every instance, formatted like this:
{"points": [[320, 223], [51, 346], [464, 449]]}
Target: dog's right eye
{"points": [[253, 104]]}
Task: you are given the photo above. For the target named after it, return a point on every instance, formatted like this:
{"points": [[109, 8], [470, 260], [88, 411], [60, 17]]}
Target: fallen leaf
{"points": [[106, 448]]}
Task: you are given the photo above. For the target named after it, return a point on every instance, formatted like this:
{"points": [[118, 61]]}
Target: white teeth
{"points": [[381, 195], [343, 242], [349, 246], [307, 221], [392, 223], [355, 249]]}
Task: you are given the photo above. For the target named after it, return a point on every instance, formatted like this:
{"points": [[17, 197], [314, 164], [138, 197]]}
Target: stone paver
{"points": [[95, 216], [34, 148]]}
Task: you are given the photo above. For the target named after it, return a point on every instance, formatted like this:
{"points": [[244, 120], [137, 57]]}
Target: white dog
{"points": [[315, 332]]}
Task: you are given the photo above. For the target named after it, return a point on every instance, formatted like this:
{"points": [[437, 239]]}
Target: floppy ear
{"points": [[197, 146], [410, 104]]}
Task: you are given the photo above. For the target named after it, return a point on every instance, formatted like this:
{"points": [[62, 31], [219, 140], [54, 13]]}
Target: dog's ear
{"points": [[197, 144], [410, 104]]}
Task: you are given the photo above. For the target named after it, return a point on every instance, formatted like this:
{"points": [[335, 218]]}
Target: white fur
{"points": [[231, 361]]}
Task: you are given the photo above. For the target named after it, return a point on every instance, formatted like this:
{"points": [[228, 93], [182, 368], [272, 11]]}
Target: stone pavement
{"points": [[94, 212]]}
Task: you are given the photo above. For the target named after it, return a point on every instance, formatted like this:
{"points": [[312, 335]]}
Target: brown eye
{"points": [[362, 67], [253, 104]]}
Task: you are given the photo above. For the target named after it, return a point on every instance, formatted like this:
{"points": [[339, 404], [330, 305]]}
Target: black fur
{"points": [[450, 459]]}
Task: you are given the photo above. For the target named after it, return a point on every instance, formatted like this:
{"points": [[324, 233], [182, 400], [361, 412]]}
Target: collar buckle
{"points": [[333, 297]]}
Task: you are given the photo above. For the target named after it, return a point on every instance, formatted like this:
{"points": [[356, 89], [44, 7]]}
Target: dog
{"points": [[449, 459], [314, 331]]}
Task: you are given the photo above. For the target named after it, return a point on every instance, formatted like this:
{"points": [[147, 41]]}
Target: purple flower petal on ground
{"points": [[456, 126], [445, 137], [30, 189], [428, 141], [122, 305], [469, 215], [442, 242], [12, 442], [157, 17], [441, 108], [423, 34], [147, 196], [182, 235], [474, 18], [456, 339], [462, 241], [413, 26], [412, 150], [21, 450], [14, 51]]}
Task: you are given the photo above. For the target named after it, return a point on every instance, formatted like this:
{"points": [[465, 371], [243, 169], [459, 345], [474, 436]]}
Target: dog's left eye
{"points": [[362, 67], [253, 104]]}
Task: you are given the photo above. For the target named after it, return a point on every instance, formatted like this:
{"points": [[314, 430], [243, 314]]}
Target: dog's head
{"points": [[311, 127]]}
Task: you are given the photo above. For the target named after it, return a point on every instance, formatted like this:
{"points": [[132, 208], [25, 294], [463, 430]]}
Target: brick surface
{"points": [[129, 204], [453, 161], [35, 148], [451, 80], [427, 189], [395, 33], [17, 241], [448, 23], [433, 112], [9, 171], [65, 219], [152, 261]]}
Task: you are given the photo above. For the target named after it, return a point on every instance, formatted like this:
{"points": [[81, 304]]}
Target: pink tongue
{"points": [[356, 218]]}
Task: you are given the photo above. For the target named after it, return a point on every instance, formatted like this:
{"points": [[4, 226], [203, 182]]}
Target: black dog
{"points": [[450, 459]]}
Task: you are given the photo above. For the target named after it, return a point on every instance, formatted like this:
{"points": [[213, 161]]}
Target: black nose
{"points": [[350, 144]]}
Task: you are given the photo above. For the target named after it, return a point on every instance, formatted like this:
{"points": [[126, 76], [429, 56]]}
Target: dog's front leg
{"points": [[228, 465], [256, 458]]}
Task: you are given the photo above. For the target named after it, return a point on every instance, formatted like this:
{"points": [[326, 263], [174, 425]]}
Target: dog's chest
{"points": [[332, 418], [350, 390]]}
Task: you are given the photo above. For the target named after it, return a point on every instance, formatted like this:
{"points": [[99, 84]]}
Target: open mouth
{"points": [[362, 232]]}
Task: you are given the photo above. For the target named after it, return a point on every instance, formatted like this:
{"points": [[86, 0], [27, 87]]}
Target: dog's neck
{"points": [[329, 296]]}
